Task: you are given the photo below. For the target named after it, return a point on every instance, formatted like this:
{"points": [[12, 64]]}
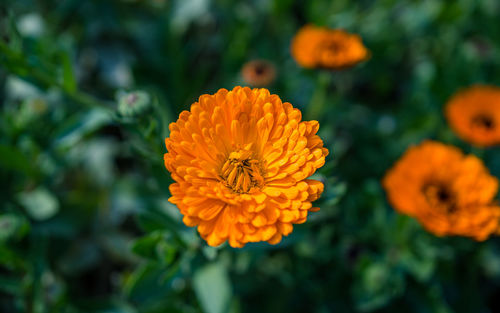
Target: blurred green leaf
{"points": [[490, 262], [213, 288], [156, 246], [11, 285], [13, 159], [81, 257], [108, 306], [148, 283], [40, 203], [146, 246], [379, 283], [77, 128], [68, 74]]}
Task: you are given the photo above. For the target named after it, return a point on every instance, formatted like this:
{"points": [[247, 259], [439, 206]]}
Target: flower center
{"points": [[241, 172], [483, 121], [131, 99], [334, 46], [440, 196], [260, 69]]}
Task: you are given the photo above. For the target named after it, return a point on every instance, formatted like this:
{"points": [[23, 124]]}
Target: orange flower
{"points": [[240, 160], [448, 192], [474, 114], [318, 47], [258, 73]]}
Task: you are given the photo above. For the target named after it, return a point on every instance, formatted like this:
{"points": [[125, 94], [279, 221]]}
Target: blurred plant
{"points": [[106, 238], [320, 47], [449, 193]]}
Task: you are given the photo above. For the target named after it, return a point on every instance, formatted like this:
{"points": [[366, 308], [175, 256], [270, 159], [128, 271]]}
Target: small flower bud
{"points": [[133, 103]]}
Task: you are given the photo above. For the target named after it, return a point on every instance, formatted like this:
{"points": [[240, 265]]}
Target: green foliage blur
{"points": [[88, 88]]}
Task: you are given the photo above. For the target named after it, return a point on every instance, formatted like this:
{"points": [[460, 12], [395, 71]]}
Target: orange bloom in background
{"points": [[258, 73], [474, 114], [241, 160], [448, 192], [319, 47]]}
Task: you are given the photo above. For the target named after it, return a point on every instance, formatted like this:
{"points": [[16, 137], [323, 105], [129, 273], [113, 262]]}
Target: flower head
{"points": [[448, 192], [258, 73], [319, 47], [474, 114], [241, 160]]}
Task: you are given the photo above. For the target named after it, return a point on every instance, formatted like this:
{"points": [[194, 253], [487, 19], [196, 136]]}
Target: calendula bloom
{"points": [[319, 47], [241, 160], [474, 114], [258, 73], [448, 192]]}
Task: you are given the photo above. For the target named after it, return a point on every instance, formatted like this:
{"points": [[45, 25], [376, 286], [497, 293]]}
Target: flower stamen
{"points": [[241, 172], [440, 196], [483, 121]]}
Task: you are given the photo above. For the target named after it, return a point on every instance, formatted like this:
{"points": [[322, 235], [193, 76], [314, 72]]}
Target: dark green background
{"points": [[85, 225]]}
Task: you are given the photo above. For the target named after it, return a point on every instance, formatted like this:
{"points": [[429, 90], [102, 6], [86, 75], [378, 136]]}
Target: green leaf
{"points": [[150, 221], [156, 246], [213, 288], [148, 283], [113, 305], [146, 245], [68, 74], [39, 203], [81, 126], [11, 259], [12, 158], [11, 285], [376, 286], [8, 30], [82, 256]]}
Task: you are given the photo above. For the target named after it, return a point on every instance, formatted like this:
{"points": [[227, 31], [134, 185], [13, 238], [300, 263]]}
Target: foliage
{"points": [[85, 225]]}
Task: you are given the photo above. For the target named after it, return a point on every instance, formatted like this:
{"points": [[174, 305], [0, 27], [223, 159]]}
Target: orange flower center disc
{"points": [[483, 121], [439, 196], [241, 172]]}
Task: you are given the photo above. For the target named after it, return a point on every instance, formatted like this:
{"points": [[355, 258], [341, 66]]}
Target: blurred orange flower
{"points": [[258, 73], [240, 160], [474, 114], [448, 192], [319, 47]]}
